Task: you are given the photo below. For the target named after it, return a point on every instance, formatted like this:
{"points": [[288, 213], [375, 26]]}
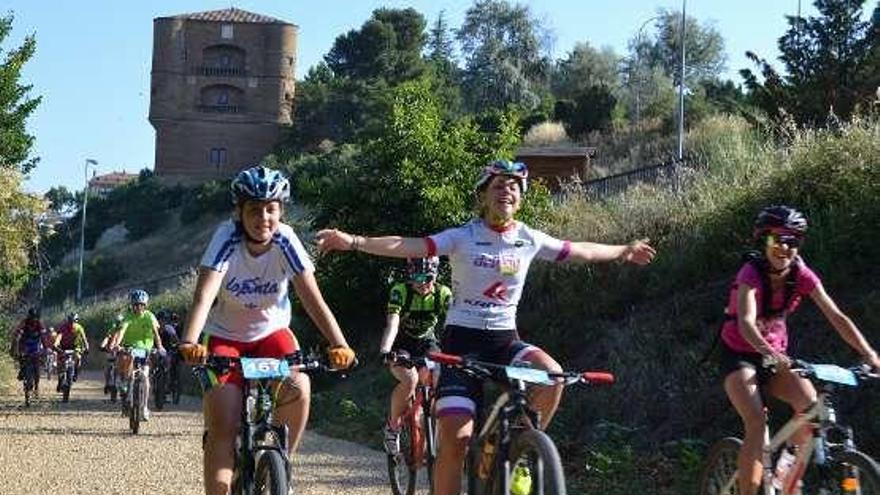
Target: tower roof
{"points": [[230, 15]]}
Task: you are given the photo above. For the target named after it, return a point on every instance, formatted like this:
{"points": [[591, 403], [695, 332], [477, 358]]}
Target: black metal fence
{"points": [[667, 172]]}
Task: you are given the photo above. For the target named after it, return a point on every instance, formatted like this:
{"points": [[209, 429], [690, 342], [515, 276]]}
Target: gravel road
{"points": [[85, 447]]}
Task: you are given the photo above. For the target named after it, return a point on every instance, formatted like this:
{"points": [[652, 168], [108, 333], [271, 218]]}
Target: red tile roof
{"points": [[230, 15]]}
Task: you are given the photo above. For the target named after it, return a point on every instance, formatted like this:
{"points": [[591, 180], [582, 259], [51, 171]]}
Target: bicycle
{"points": [[261, 461], [418, 443], [67, 373], [509, 440], [134, 395], [830, 464], [51, 365], [111, 376], [174, 376], [159, 379]]}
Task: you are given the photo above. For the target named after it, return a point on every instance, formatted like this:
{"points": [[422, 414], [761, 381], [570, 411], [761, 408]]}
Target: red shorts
{"points": [[278, 344]]}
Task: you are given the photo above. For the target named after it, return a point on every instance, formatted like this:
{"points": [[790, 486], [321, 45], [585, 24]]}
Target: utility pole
{"points": [[82, 230]]}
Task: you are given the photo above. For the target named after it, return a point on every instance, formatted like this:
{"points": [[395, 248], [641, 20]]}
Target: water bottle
{"points": [[783, 466]]}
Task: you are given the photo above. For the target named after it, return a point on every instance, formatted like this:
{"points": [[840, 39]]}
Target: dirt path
{"points": [[84, 447]]}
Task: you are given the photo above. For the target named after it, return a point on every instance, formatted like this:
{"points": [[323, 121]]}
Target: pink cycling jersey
{"points": [[773, 329]]}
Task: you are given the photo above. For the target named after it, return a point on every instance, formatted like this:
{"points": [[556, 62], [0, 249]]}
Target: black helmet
{"points": [[72, 317], [33, 313], [422, 269], [780, 219]]}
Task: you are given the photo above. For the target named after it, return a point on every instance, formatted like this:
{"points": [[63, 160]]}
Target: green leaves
{"points": [[15, 106]]}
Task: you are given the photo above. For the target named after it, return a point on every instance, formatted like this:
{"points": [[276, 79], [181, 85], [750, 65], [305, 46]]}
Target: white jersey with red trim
{"points": [[489, 270], [253, 299]]}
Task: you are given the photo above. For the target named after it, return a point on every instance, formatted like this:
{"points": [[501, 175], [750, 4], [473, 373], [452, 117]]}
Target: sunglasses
{"points": [[421, 278], [792, 241]]}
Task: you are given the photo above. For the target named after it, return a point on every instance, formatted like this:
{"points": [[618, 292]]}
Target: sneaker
{"points": [[146, 414], [392, 441], [521, 480]]}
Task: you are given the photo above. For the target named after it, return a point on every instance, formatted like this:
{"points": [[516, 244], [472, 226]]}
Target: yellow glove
{"points": [[341, 357]]}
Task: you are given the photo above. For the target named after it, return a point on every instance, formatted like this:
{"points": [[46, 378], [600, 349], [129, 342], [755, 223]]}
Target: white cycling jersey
{"points": [[253, 299], [489, 270]]}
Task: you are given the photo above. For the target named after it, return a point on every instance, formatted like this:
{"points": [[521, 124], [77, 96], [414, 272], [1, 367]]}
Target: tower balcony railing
{"points": [[221, 71], [220, 108]]}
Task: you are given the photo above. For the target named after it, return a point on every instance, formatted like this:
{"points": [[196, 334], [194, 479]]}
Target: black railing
{"points": [[220, 108], [221, 71], [654, 174]]}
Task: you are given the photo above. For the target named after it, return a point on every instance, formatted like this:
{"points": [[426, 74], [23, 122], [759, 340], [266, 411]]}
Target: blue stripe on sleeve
{"points": [[289, 253], [226, 249]]}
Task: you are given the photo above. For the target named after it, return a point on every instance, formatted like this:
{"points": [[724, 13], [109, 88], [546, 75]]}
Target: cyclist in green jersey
{"points": [[139, 330], [112, 327], [417, 307]]}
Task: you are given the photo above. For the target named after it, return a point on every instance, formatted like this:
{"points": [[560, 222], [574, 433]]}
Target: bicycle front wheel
{"points": [[533, 467], [402, 467], [849, 473], [271, 474], [28, 384], [137, 405], [719, 475], [159, 389]]}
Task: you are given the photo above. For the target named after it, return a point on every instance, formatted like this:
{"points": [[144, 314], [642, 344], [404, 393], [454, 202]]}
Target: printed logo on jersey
{"points": [[497, 291], [249, 286], [506, 264], [483, 243]]}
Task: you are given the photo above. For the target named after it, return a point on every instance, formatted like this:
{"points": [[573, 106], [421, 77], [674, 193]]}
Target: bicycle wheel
{"points": [[159, 388], [533, 467], [848, 473], [137, 406], [271, 476], [429, 428], [402, 469], [719, 475], [65, 384], [175, 381]]}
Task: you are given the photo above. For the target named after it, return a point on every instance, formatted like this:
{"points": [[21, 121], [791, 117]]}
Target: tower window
{"points": [[218, 157], [226, 31]]}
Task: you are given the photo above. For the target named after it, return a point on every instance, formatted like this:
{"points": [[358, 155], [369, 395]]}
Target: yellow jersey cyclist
{"points": [[490, 257], [139, 330], [416, 309], [71, 336], [248, 269]]}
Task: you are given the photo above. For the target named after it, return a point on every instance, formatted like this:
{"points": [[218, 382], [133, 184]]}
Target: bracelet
{"points": [[356, 242]]}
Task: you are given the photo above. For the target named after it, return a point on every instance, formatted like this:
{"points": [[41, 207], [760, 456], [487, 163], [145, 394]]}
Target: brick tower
{"points": [[221, 88]]}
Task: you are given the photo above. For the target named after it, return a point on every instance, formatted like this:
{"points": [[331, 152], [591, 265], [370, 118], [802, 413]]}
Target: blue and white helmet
{"points": [[517, 170], [261, 184], [138, 296]]}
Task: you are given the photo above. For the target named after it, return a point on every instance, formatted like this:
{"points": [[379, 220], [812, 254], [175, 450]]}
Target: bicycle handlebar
{"points": [[482, 368]]}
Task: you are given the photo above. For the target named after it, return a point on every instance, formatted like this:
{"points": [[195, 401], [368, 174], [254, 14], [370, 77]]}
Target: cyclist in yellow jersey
{"points": [[139, 330], [417, 307]]}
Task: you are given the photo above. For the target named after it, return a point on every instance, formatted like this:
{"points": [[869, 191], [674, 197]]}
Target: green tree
{"points": [[704, 47], [388, 47], [15, 105], [585, 67], [61, 200], [828, 61], [445, 72], [505, 51], [19, 214]]}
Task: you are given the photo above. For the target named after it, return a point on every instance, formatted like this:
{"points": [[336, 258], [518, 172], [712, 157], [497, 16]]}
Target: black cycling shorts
{"points": [[415, 347], [732, 360], [458, 393]]}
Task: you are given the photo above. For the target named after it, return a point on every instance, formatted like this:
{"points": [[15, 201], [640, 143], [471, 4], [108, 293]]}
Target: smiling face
{"points": [[501, 199], [260, 219], [781, 250]]}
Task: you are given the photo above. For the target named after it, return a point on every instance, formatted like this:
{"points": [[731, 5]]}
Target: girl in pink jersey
{"points": [[490, 257], [767, 289]]}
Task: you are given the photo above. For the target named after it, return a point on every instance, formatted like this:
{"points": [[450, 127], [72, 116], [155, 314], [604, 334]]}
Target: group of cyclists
{"points": [[241, 308], [32, 341]]}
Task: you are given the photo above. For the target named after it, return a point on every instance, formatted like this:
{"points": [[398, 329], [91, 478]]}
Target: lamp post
{"points": [[82, 230], [681, 86]]}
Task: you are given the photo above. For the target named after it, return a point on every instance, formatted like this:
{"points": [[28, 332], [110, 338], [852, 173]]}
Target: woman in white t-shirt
{"points": [[490, 257], [248, 268]]}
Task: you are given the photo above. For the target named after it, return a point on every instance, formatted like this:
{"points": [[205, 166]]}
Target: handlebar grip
{"points": [[598, 377], [443, 358]]}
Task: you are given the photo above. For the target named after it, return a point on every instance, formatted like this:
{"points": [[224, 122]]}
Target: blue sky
{"points": [[92, 65]]}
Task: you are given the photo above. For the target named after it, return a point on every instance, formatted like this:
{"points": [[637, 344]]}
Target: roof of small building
{"points": [[231, 14], [584, 151], [113, 178]]}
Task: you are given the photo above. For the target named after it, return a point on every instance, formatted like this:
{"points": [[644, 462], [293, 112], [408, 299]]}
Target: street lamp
{"points": [[82, 230], [681, 86], [638, 69]]}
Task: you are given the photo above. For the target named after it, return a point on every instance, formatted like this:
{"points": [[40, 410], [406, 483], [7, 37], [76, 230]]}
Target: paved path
{"points": [[85, 447]]}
